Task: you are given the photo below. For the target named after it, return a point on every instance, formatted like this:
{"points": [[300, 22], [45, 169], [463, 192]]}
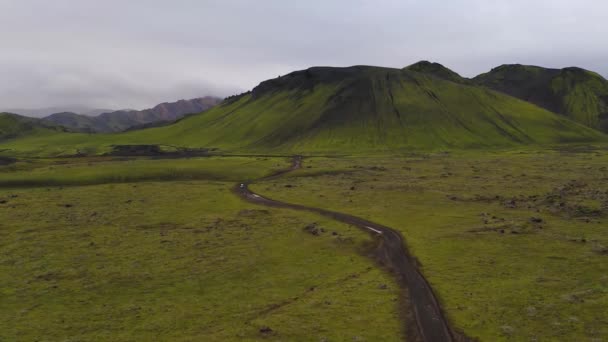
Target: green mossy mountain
{"points": [[437, 70], [13, 126], [579, 94], [352, 109]]}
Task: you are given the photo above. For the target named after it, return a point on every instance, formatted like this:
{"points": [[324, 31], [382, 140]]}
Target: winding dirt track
{"points": [[430, 321]]}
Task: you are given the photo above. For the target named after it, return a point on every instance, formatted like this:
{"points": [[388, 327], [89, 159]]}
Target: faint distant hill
{"points": [[129, 119], [42, 112], [14, 126]]}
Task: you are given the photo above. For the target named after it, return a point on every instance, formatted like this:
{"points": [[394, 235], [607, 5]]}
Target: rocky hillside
{"points": [[128, 119]]}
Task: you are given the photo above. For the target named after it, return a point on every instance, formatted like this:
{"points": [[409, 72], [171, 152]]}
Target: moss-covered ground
{"points": [[147, 257], [514, 243]]}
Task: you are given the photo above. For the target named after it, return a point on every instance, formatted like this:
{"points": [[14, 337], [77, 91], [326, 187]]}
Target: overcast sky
{"points": [[135, 53]]}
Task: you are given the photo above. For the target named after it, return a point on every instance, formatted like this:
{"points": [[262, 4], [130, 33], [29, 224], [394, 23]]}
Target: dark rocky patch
{"points": [[156, 151], [266, 330], [7, 161]]}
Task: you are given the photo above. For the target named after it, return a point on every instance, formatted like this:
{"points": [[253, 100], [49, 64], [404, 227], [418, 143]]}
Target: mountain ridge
{"points": [[122, 120], [576, 93], [346, 110]]}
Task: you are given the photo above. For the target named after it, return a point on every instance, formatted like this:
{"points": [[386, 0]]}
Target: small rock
{"points": [[383, 287], [265, 330], [536, 220], [507, 330]]}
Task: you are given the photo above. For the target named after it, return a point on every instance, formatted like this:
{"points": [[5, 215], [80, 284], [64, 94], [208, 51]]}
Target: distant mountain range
{"points": [[42, 112], [122, 120], [359, 108]]}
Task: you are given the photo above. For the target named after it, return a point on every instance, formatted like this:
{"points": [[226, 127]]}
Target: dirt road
{"points": [[430, 321]]}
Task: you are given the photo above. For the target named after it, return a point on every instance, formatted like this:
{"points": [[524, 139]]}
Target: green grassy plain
{"points": [[513, 242], [179, 260], [101, 170]]}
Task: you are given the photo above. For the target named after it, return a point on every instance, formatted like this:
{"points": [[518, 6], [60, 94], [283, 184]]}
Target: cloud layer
{"points": [[134, 54]]}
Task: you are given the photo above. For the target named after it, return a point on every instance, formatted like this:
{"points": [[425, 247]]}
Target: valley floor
{"points": [[178, 260], [514, 244]]}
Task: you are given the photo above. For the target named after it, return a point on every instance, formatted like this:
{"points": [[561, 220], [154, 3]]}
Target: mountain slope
{"points": [[576, 93], [345, 110], [78, 122], [437, 70], [13, 126], [125, 119]]}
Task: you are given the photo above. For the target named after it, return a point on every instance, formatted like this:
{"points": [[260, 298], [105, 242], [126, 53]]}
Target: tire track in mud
{"points": [[431, 325]]}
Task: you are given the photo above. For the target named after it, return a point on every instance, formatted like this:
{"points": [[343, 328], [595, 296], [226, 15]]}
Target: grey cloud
{"points": [[117, 54]]}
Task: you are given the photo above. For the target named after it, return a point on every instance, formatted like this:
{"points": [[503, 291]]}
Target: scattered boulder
{"points": [[266, 330], [314, 229], [600, 249], [253, 212], [507, 330], [7, 160]]}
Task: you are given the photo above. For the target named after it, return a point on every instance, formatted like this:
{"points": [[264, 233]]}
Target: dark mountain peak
{"points": [[513, 71], [577, 93], [582, 74], [436, 70], [519, 67], [307, 79]]}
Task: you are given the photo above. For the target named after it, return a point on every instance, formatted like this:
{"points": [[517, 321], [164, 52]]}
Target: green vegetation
{"points": [[82, 123], [180, 261], [501, 201], [85, 171], [576, 93], [437, 70], [514, 243], [14, 126], [341, 110]]}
